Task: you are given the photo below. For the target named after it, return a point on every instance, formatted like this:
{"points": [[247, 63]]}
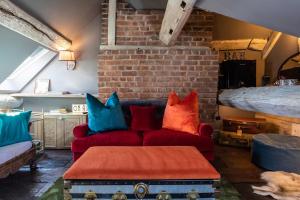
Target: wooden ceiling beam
{"points": [[15, 19], [112, 12], [296, 58], [257, 44], [270, 44], [222, 45], [176, 15], [242, 44]]}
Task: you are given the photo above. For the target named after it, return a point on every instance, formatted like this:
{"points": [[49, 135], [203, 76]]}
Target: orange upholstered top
{"points": [[141, 163]]}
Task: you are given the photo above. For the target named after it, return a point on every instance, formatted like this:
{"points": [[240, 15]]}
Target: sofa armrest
{"points": [[81, 131], [205, 130]]}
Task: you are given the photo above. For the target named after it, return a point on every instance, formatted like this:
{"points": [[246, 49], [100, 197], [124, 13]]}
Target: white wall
{"points": [[84, 78]]}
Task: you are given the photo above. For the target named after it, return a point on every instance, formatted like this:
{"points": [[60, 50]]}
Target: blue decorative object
{"points": [[277, 152], [14, 128], [105, 117]]}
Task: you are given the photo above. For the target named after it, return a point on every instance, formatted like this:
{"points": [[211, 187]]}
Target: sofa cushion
{"points": [[166, 137], [105, 117], [14, 128], [159, 105], [143, 118], [112, 138], [182, 115]]}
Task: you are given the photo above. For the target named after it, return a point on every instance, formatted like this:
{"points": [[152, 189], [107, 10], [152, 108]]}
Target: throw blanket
{"points": [[280, 185]]}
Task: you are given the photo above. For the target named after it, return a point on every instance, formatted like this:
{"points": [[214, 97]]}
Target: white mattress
{"points": [[11, 151]]}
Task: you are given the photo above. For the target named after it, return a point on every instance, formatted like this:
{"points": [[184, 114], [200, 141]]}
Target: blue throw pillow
{"points": [[106, 117], [14, 128]]}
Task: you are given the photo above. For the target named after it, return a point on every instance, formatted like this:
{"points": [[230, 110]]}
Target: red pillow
{"points": [[143, 118]]}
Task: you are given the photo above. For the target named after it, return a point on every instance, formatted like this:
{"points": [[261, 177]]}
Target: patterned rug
{"points": [[55, 192]]}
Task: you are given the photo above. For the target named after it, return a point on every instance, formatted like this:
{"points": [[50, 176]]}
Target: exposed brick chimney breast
{"points": [[153, 70]]}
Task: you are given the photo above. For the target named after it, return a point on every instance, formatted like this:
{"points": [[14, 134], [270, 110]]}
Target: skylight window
{"points": [[25, 66], [25, 72]]}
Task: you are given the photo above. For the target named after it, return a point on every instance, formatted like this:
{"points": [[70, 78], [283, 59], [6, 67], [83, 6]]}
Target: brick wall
{"points": [[141, 27], [152, 73]]}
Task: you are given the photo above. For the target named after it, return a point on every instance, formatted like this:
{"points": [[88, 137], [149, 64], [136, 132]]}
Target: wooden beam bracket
{"points": [[112, 11], [135, 47], [176, 15]]}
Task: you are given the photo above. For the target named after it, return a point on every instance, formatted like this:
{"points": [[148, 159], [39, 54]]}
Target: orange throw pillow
{"points": [[182, 115]]}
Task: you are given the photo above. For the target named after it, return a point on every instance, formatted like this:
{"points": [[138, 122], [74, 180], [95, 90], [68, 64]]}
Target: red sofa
{"points": [[161, 137]]}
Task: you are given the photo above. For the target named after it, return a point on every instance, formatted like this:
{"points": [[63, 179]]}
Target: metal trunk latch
{"points": [[163, 195], [90, 195], [141, 190], [119, 196], [67, 187], [192, 195]]}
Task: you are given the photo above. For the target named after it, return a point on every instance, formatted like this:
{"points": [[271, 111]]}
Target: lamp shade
{"points": [[66, 56]]}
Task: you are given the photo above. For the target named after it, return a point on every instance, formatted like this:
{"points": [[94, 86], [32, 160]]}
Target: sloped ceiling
{"points": [[65, 16], [226, 28], [279, 15], [14, 49]]}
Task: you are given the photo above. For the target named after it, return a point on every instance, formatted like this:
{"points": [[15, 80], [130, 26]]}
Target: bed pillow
{"points": [[143, 118], [182, 115], [14, 128], [105, 117]]}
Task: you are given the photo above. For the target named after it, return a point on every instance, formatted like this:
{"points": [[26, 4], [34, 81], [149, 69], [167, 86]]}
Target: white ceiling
{"points": [[148, 4], [279, 15], [67, 17]]}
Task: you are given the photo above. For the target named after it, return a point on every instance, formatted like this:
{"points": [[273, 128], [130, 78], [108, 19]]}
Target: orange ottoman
{"points": [[141, 173]]}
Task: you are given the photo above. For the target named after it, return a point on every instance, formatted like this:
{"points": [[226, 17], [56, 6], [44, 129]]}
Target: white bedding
{"points": [[11, 151]]}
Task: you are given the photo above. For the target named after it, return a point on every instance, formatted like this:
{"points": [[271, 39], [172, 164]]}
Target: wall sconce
{"points": [[69, 57]]}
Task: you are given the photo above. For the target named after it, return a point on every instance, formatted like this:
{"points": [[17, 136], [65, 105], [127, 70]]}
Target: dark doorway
{"points": [[237, 73]]}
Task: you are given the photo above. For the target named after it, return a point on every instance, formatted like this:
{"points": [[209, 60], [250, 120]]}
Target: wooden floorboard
{"points": [[26, 185], [233, 163]]}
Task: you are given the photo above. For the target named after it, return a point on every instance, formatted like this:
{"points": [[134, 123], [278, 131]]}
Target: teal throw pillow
{"points": [[106, 117], [14, 128]]}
